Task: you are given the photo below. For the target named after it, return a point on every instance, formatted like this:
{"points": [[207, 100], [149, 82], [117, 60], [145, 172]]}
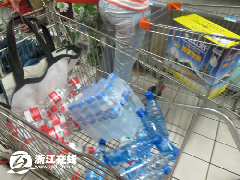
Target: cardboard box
{"points": [[202, 53]]}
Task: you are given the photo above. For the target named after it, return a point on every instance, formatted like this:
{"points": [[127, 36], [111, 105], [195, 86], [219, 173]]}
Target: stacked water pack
{"points": [[107, 109]]}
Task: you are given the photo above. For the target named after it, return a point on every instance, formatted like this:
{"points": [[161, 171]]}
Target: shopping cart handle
{"points": [[144, 24]]}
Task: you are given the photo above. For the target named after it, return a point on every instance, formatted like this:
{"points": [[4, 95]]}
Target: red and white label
{"points": [[32, 115], [75, 83], [58, 119], [56, 132], [57, 95]]}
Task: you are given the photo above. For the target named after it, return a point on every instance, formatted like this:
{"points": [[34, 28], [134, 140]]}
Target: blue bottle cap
{"points": [[112, 76], [107, 85], [149, 95], [89, 99], [100, 95], [167, 169], [171, 157], [101, 80], [71, 106], [157, 140], [80, 103], [102, 141], [176, 152], [140, 112], [92, 85]]}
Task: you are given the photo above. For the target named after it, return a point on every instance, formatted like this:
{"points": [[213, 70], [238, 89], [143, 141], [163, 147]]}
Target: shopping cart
{"points": [[183, 107]]}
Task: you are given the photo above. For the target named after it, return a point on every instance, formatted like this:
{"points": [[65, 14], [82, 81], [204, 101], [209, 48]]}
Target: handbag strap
{"points": [[14, 60]]}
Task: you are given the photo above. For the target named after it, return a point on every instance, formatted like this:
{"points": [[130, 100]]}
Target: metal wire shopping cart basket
{"points": [[183, 107]]}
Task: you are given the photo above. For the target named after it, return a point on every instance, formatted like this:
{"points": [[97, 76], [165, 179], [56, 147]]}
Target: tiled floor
{"points": [[210, 152]]}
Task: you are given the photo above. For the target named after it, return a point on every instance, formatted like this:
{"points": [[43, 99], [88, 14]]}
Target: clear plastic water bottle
{"points": [[141, 134], [87, 120], [101, 116], [100, 85], [75, 83], [63, 106], [58, 131], [118, 124], [125, 140], [80, 94], [112, 91], [155, 112], [58, 95], [152, 129], [35, 114], [56, 119], [136, 151], [134, 99], [144, 171], [78, 147], [98, 154]]}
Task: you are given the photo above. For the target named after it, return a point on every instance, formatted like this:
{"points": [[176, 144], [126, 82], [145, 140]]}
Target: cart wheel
{"points": [[153, 89]]}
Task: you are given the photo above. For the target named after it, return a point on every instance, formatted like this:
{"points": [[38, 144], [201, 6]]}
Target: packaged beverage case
{"points": [[58, 131], [78, 147], [106, 104], [98, 154], [117, 82], [80, 95], [56, 119], [207, 61], [135, 150], [100, 85], [144, 171], [152, 129], [58, 95], [75, 83], [118, 123], [101, 116], [155, 113], [35, 114], [75, 112], [87, 120]]}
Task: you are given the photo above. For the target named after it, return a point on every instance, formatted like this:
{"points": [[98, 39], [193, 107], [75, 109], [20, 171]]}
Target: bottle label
{"points": [[58, 119], [123, 99], [32, 115], [56, 132], [75, 83], [114, 111], [64, 106], [127, 90], [101, 116], [57, 95]]}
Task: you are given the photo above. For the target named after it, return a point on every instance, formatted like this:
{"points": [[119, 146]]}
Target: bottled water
{"points": [[35, 114], [100, 85], [58, 131], [144, 171], [78, 147], [80, 94], [87, 120], [56, 119], [141, 134], [63, 106], [75, 83], [119, 124], [134, 99], [152, 129], [112, 91], [125, 140], [136, 151], [58, 95], [155, 112], [75, 112], [101, 116], [98, 154]]}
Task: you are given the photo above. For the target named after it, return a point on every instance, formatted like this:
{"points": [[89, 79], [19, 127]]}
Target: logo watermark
{"points": [[21, 162]]}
